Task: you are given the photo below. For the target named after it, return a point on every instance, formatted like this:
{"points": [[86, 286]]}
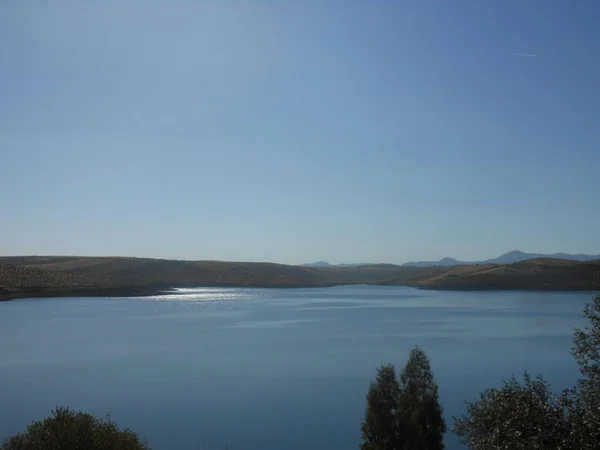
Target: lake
{"points": [[260, 369]]}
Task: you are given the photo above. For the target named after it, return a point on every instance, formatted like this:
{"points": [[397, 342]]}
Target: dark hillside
{"points": [[48, 275]]}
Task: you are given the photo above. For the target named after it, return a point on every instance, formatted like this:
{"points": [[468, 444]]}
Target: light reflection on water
{"points": [[268, 368]]}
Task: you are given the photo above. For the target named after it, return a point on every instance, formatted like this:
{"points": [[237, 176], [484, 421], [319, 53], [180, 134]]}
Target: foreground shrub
{"points": [[527, 416], [66, 429], [515, 417]]}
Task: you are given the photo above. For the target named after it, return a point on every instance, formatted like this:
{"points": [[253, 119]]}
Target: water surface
{"points": [[259, 369]]}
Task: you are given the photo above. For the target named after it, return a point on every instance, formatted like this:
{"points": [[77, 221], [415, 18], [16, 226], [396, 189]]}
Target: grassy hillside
{"points": [[25, 276], [71, 275], [143, 271], [546, 274]]}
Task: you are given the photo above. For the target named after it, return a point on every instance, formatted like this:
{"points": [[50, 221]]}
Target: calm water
{"points": [[268, 369]]}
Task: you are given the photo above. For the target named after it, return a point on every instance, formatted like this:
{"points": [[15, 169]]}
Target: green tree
{"points": [[584, 400], [70, 430], [527, 416], [380, 430], [514, 417], [419, 411], [404, 413]]}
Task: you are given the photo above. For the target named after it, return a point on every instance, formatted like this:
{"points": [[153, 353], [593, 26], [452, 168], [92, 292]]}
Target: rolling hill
{"points": [[39, 276]]}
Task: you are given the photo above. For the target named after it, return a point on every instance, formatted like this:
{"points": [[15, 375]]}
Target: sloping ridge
{"points": [[39, 276], [542, 273]]}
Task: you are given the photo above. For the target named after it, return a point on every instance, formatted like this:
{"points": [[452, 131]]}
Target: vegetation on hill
{"points": [[26, 276], [70, 430], [65, 275], [542, 274]]}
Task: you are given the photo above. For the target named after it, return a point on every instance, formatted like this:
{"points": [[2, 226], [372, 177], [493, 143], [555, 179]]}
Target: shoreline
{"points": [[66, 276], [152, 291]]}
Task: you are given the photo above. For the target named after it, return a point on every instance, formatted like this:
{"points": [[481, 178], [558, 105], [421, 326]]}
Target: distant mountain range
{"points": [[507, 258]]}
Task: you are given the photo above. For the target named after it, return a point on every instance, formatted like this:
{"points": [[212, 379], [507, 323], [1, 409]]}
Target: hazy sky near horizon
{"points": [[295, 131]]}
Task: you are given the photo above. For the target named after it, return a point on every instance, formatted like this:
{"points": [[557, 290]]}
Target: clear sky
{"points": [[371, 131]]}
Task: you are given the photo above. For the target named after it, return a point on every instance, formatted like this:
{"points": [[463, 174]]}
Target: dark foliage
{"points": [[527, 416], [404, 413], [70, 430], [50, 276], [379, 430], [419, 411], [585, 399], [514, 417]]}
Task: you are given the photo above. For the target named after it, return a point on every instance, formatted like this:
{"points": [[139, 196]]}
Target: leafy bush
{"points": [[527, 416], [70, 430], [514, 417]]}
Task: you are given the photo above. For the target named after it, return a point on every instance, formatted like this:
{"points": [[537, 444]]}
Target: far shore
{"points": [[75, 276]]}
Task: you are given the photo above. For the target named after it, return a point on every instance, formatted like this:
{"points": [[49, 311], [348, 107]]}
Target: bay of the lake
{"points": [[269, 369]]}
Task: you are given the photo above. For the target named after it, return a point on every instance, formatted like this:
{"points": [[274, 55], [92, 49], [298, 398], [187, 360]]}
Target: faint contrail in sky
{"points": [[527, 55]]}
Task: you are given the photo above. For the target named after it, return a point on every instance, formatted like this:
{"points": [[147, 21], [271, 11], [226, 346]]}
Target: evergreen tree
{"points": [[379, 429], [420, 414], [404, 413]]}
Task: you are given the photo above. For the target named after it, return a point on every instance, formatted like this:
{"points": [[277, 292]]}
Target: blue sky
{"points": [[379, 131]]}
